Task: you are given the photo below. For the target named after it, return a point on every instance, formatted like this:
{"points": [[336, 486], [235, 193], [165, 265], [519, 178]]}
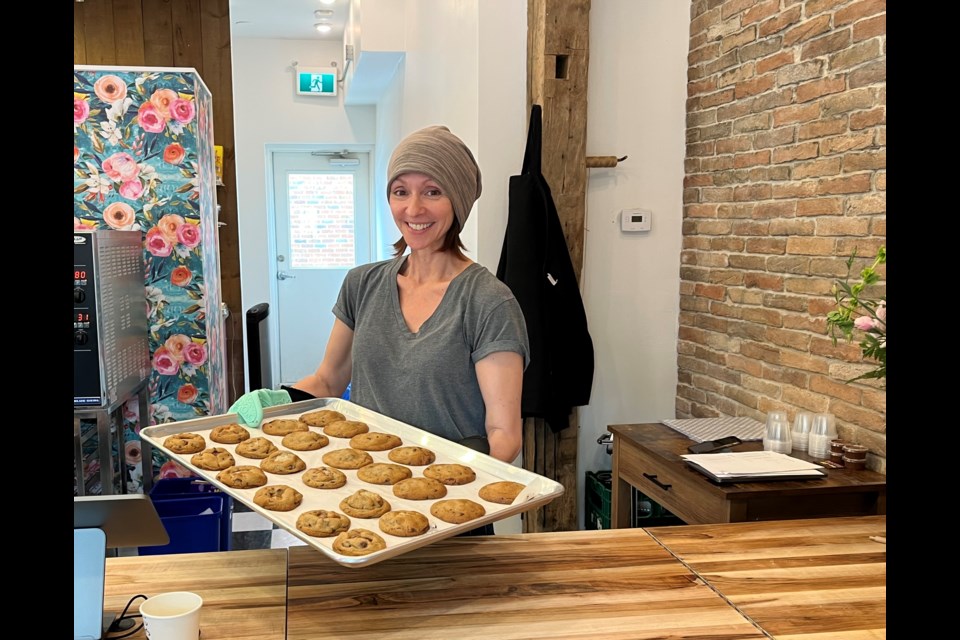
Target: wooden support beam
{"points": [[557, 59]]}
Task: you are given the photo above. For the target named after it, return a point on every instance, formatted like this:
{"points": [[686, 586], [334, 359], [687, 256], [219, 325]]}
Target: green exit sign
{"points": [[316, 82]]}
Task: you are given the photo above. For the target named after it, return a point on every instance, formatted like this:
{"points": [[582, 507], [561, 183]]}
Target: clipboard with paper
{"points": [[753, 466]]}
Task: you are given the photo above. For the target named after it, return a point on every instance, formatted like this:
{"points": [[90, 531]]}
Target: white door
{"points": [[323, 228]]}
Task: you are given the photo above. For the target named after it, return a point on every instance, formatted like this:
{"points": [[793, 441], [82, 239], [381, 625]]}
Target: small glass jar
{"points": [[836, 446], [855, 452]]}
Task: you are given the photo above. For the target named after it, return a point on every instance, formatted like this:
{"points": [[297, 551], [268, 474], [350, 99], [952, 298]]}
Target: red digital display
{"points": [[83, 317], [79, 274]]}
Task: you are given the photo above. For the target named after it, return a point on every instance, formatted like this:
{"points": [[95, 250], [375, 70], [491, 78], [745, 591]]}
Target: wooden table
{"points": [[575, 584], [797, 579], [647, 456], [244, 592]]}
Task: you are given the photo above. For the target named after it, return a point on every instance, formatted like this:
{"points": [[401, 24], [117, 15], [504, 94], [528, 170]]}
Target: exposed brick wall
{"points": [[785, 177]]}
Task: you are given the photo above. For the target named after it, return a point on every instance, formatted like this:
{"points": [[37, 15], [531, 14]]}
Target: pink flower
{"points": [[171, 469], [195, 353], [79, 226], [121, 167], [188, 235], [175, 344], [165, 363], [187, 393], [168, 226], [132, 452], [131, 190], [864, 323], [161, 101], [149, 119], [119, 215], [157, 244], [110, 88], [81, 109], [182, 110]]}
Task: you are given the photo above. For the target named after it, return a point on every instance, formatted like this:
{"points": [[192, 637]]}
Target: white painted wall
{"points": [[465, 67], [631, 286]]}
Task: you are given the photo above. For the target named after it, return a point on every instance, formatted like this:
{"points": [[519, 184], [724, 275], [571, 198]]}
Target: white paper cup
{"points": [[172, 616]]}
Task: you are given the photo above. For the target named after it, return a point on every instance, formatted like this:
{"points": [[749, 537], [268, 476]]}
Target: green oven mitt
{"points": [[249, 407]]}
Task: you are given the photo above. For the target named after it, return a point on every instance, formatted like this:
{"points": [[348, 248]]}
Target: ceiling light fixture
{"points": [[323, 27], [327, 1], [323, 13]]}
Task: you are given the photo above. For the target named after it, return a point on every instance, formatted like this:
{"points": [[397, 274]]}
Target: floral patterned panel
{"points": [[144, 160]]}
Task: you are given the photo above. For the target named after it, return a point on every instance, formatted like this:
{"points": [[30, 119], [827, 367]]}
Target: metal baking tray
{"points": [[539, 490]]}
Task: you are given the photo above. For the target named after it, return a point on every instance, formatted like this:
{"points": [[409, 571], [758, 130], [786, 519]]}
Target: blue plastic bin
{"points": [[181, 504]]}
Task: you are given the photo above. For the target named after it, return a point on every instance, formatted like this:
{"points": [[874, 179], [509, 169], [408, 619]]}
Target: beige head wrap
{"points": [[445, 158]]}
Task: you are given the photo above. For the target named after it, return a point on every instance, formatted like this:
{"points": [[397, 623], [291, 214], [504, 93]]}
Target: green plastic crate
{"points": [[597, 503]]}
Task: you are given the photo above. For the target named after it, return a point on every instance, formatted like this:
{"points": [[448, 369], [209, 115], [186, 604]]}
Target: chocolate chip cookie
{"points": [[213, 459], [452, 474], [185, 443], [321, 418], [413, 456], [404, 523], [283, 462], [383, 473], [503, 492], [283, 426], [243, 476], [375, 441], [457, 510], [419, 489], [305, 441], [345, 428], [257, 448], [347, 459], [324, 478], [229, 434], [364, 504], [321, 523], [278, 497], [358, 542]]}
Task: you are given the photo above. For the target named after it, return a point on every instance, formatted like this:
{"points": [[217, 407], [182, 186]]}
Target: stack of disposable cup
{"points": [[801, 430], [822, 431], [777, 437]]}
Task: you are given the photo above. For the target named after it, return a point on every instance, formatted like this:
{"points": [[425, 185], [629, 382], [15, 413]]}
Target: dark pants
{"points": [[485, 530]]}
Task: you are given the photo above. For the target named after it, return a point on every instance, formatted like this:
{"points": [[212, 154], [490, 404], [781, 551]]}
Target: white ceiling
{"points": [[286, 19]]}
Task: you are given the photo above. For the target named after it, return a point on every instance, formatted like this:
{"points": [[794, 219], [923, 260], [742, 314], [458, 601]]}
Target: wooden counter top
{"points": [[244, 592], [797, 579], [575, 584]]}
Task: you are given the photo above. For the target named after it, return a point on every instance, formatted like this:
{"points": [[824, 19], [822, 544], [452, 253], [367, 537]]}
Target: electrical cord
{"points": [[115, 625]]}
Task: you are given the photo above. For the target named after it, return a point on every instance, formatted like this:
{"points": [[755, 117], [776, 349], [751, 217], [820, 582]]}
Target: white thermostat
{"points": [[635, 219]]}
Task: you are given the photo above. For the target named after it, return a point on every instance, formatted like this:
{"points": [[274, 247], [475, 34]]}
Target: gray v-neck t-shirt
{"points": [[428, 379]]}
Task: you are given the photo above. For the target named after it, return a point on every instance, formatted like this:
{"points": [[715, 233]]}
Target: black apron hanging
{"points": [[535, 263]]}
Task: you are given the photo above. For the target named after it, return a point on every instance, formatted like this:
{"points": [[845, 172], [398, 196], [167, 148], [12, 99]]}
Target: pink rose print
{"points": [[119, 215], [168, 225], [81, 109], [176, 344], [131, 190], [157, 244], [165, 363], [174, 153], [187, 393], [182, 110], [188, 235], [149, 119], [77, 225], [171, 469], [195, 354], [110, 89], [132, 452], [162, 99], [121, 167]]}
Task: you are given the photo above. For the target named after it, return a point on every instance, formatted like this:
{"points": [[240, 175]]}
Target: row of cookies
{"points": [[297, 435]]}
